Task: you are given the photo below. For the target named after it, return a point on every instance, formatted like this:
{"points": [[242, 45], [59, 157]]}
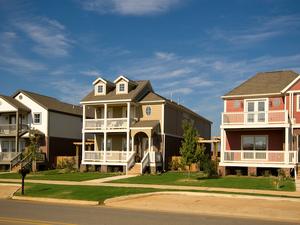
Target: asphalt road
{"points": [[21, 212]]}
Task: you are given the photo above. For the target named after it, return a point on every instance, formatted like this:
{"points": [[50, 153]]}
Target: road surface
{"points": [[31, 213]]}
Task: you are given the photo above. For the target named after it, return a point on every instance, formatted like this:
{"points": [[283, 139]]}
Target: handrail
{"points": [[130, 161], [15, 160], [145, 162]]}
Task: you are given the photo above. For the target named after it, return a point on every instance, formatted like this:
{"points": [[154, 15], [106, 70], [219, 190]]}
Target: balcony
{"points": [[11, 129], [255, 118], [111, 156], [111, 124], [271, 157]]}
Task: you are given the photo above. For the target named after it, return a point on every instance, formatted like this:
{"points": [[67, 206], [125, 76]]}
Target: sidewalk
{"points": [[163, 187]]}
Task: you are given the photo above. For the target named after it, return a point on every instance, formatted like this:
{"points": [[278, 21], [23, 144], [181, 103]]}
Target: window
{"points": [[121, 87], [254, 142], [100, 89], [276, 102], [236, 104], [256, 111], [37, 118], [148, 110]]}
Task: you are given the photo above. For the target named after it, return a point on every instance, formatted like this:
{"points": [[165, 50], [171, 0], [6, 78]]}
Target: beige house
{"points": [[133, 127]]}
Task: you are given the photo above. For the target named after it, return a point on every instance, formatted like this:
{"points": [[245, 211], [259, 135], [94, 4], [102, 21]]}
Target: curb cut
{"points": [[55, 200], [204, 194]]}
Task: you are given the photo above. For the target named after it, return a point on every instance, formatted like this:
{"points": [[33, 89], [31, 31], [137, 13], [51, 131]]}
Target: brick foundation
{"points": [[252, 171], [103, 169], [222, 171]]}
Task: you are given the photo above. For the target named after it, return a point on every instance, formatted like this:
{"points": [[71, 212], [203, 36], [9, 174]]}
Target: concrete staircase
{"points": [[136, 169]]}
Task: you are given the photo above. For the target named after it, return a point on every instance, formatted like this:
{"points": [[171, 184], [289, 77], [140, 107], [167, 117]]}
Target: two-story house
{"points": [[58, 123], [134, 126], [261, 124]]}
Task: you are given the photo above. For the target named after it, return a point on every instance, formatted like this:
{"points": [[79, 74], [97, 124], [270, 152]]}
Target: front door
{"points": [[256, 111]]}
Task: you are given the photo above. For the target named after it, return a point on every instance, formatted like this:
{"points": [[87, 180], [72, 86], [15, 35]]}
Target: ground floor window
{"points": [[254, 142]]}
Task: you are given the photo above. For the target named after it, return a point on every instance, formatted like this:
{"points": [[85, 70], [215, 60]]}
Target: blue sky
{"points": [[192, 50]]}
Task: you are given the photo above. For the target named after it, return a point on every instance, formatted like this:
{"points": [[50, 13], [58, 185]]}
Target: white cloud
{"points": [[48, 35], [66, 88], [263, 29], [130, 7], [164, 55], [91, 73]]}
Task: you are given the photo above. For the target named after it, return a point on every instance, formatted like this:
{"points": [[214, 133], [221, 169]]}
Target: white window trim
{"points": [[267, 142], [125, 87], [148, 106], [103, 89], [298, 99], [33, 119]]}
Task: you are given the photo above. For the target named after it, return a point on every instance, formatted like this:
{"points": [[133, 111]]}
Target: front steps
{"points": [[136, 169]]}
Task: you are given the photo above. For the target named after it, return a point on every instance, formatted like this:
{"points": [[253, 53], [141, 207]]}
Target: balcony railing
{"points": [[111, 124], [243, 118], [8, 156], [111, 156], [11, 129], [259, 156]]}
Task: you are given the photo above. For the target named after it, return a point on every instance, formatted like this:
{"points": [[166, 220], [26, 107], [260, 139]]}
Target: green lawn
{"points": [[59, 175], [197, 179], [89, 193]]}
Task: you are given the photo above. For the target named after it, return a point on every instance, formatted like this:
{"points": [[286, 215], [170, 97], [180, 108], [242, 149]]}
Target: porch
{"points": [[258, 147]]}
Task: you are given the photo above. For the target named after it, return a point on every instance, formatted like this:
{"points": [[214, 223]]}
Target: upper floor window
{"points": [[276, 102], [37, 118], [100, 89], [298, 103], [148, 110], [236, 104], [121, 87]]}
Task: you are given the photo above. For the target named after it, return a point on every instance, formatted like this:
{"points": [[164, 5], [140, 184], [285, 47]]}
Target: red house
{"points": [[261, 125]]}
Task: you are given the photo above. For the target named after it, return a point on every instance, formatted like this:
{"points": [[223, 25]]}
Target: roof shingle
{"points": [[265, 83]]}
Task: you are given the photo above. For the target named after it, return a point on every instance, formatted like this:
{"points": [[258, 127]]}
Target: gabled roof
{"points": [[52, 104], [142, 87], [15, 103], [264, 83], [124, 78], [104, 81]]}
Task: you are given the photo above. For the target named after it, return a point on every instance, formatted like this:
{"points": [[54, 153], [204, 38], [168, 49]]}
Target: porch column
{"points": [[132, 144], [105, 134], [83, 117], [286, 146], [105, 116], [17, 131], [222, 145], [149, 140], [83, 147], [128, 129]]}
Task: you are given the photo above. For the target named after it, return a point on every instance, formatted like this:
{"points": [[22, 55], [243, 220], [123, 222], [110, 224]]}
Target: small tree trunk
{"points": [[189, 171], [33, 167]]}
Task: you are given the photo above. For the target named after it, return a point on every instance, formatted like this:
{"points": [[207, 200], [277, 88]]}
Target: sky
{"points": [[193, 51]]}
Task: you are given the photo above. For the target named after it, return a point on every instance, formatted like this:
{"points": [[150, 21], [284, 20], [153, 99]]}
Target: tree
{"points": [[34, 146], [189, 150]]}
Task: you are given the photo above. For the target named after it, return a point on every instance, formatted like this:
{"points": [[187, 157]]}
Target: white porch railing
{"points": [[8, 156], [130, 161], [145, 162], [7, 129], [242, 118], [111, 124], [111, 156], [259, 156]]}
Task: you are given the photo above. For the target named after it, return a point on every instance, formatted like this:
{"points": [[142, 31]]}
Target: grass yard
{"points": [[197, 179], [89, 193], [59, 175]]}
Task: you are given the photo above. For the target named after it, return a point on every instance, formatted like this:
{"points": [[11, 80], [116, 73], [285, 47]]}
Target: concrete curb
{"points": [[55, 200], [136, 196]]}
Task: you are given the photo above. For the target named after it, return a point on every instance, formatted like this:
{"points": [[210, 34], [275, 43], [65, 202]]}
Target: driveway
{"points": [[274, 209]]}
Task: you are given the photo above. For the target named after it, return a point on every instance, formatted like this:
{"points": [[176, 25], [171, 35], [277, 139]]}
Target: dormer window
{"points": [[100, 89], [121, 87]]}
